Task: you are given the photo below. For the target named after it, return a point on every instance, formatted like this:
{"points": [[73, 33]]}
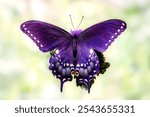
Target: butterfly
{"points": [[78, 54]]}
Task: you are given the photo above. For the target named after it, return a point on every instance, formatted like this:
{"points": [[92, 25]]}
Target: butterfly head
{"points": [[75, 32]]}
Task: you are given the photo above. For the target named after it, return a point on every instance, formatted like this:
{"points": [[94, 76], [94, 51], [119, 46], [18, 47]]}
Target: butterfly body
{"points": [[77, 54]]}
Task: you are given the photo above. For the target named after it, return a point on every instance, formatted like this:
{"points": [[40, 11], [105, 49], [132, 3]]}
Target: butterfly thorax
{"points": [[75, 33]]}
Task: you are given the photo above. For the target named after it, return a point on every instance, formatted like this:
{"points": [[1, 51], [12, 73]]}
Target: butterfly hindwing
{"points": [[101, 35], [61, 63], [46, 36], [88, 66]]}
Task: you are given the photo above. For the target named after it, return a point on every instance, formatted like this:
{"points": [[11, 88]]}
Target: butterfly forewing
{"points": [[46, 36], [101, 35]]}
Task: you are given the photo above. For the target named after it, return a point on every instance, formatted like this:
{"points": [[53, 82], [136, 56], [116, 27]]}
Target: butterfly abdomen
{"points": [[74, 44]]}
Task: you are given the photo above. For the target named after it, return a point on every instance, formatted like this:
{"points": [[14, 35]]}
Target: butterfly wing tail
{"points": [[61, 64], [86, 82]]}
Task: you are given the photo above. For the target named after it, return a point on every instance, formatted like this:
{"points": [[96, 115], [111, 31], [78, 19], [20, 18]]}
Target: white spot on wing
{"points": [[123, 24], [91, 51], [41, 45], [34, 38], [57, 51], [23, 25], [118, 30], [85, 80], [64, 79], [38, 41], [67, 64]]}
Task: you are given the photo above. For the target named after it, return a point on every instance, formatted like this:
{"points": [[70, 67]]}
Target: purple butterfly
{"points": [[77, 54]]}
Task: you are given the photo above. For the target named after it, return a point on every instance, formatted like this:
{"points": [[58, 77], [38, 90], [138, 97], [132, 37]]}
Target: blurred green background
{"points": [[24, 72]]}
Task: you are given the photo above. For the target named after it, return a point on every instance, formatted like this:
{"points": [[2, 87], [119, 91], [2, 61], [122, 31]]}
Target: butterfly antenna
{"points": [[71, 22], [80, 22]]}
